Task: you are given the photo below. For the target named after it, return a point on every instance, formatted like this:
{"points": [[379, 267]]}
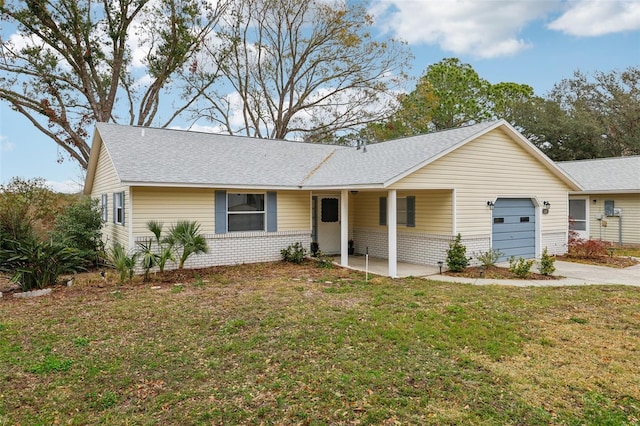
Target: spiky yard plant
{"points": [[165, 245], [123, 262], [148, 258], [186, 235]]}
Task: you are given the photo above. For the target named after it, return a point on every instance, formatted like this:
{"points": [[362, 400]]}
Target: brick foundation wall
{"points": [[556, 242], [245, 247], [424, 249]]}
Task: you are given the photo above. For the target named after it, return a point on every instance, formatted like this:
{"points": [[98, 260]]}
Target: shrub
{"points": [[78, 226], [27, 208], [165, 245], [123, 262], [295, 253], [38, 264], [186, 235], [546, 263], [520, 267], [457, 259], [489, 257], [148, 258], [587, 249], [324, 261]]}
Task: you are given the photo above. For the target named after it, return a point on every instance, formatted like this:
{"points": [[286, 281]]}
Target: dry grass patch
{"points": [[284, 344]]}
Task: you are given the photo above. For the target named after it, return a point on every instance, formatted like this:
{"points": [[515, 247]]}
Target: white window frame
{"points": [[104, 207], [247, 212], [118, 218]]}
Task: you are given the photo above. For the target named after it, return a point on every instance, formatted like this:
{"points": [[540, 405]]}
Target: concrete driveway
{"points": [[572, 273]]}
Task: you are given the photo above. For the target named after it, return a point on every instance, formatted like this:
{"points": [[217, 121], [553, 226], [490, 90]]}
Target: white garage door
{"points": [[514, 227]]}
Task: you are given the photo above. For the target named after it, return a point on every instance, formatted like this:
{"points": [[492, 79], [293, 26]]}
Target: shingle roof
{"points": [[385, 161], [152, 156], [605, 174]]}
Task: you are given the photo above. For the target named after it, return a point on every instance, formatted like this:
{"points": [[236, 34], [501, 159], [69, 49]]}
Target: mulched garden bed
{"points": [[496, 273], [611, 261]]}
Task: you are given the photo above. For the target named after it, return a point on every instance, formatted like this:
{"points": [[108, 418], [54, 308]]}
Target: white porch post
{"points": [[393, 234], [344, 228]]}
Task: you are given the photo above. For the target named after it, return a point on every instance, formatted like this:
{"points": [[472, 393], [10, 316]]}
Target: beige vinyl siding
{"points": [[170, 205], [630, 205], [433, 210], [294, 211], [106, 182], [487, 168]]}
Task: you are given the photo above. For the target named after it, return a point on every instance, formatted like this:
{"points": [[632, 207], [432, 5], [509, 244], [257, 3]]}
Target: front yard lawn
{"points": [[285, 344]]}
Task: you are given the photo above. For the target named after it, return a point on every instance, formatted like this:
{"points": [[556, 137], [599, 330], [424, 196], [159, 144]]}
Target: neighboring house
{"points": [[403, 200], [609, 206]]}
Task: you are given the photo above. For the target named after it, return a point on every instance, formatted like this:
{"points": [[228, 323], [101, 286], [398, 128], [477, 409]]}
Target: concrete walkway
{"points": [[572, 273]]}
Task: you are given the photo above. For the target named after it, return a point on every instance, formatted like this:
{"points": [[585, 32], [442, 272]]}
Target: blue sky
{"points": [[534, 42]]}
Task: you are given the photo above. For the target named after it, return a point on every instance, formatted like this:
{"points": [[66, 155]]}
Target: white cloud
{"points": [[484, 29], [598, 17], [6, 145], [66, 187]]}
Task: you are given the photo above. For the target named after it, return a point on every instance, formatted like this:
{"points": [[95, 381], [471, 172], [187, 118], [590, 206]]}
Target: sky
{"points": [[534, 42]]}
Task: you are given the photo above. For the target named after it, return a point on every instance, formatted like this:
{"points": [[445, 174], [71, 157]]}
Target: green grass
{"points": [[284, 344]]}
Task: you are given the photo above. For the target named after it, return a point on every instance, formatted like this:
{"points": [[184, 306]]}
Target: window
{"points": [[104, 208], [329, 210], [405, 211], [245, 212], [401, 211], [118, 208]]}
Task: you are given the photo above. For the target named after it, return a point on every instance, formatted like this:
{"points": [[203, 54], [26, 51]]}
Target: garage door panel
{"points": [[513, 231], [508, 228]]}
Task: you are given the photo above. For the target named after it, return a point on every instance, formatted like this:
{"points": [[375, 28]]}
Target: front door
{"points": [[328, 223], [578, 217]]}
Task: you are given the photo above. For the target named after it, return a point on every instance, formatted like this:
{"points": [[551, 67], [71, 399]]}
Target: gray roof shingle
{"points": [[146, 155], [605, 174]]}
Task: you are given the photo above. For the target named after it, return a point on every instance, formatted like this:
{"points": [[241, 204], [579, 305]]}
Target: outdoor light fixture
{"points": [[547, 206], [354, 192], [440, 263], [490, 204]]}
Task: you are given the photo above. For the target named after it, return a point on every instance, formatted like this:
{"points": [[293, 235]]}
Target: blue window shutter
{"points": [[383, 211], [123, 209], [272, 211], [221, 212], [114, 207], [411, 212]]}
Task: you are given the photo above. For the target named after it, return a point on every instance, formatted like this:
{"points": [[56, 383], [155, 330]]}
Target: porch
{"points": [[379, 266]]}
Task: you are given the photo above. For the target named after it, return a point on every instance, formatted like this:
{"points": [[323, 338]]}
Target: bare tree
{"points": [[71, 63], [301, 67]]}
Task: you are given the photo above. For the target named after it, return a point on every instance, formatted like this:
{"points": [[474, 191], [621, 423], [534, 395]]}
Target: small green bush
{"points": [[38, 264], [295, 253], [165, 245], [186, 235], [148, 258], [546, 263], [78, 226], [457, 259], [324, 261], [520, 267], [123, 262], [489, 257]]}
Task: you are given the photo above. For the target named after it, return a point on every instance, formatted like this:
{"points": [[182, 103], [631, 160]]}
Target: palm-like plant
{"points": [[165, 245], [149, 258], [123, 262], [186, 234]]}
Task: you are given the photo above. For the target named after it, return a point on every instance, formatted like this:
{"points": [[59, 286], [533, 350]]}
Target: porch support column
{"points": [[344, 227], [393, 234]]}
